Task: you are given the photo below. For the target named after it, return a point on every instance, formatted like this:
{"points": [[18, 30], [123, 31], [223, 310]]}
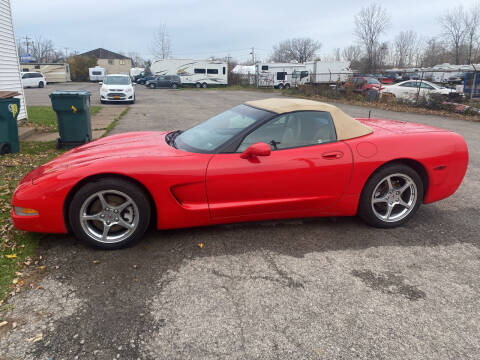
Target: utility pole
{"points": [[66, 53], [27, 43], [253, 55]]}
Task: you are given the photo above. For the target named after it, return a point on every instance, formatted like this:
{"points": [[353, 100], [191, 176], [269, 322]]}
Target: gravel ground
{"points": [[303, 289]]}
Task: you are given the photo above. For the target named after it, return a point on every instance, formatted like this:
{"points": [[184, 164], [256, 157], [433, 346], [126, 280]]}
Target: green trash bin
{"points": [[73, 117], [9, 109]]}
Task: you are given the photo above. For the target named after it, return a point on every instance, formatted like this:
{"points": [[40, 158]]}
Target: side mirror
{"points": [[257, 149], [100, 83]]}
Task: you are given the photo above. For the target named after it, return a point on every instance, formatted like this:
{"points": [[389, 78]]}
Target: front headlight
{"points": [[128, 90]]}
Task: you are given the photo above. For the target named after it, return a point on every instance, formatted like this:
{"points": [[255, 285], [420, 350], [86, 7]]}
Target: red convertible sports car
{"points": [[265, 159]]}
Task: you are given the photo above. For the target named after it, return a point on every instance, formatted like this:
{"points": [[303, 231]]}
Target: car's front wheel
{"points": [[174, 86], [391, 196], [109, 213], [41, 84], [151, 86]]}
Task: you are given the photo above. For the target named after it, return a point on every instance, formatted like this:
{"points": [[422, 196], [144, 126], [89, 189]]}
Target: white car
{"points": [[408, 90], [117, 88], [33, 79]]}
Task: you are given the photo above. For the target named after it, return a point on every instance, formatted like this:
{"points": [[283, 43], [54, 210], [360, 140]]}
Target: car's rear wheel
{"points": [[287, 86], [280, 86], [41, 84], [204, 85], [174, 86], [5, 148], [198, 85], [109, 213], [151, 86], [391, 196]]}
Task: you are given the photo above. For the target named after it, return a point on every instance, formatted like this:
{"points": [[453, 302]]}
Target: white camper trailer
{"points": [[281, 75], [97, 73], [200, 73], [328, 72], [54, 73]]}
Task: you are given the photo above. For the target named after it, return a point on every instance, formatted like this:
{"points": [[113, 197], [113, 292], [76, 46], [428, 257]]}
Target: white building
{"points": [[10, 79]]}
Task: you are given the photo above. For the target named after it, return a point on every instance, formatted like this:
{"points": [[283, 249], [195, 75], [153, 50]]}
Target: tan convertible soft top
{"points": [[346, 126]]}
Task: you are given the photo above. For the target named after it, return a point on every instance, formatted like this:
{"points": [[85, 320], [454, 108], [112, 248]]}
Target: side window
{"points": [[426, 86], [407, 84], [199, 71], [264, 67], [122, 62], [212, 71], [26, 76], [38, 75], [281, 75], [292, 130], [224, 70], [37, 66]]}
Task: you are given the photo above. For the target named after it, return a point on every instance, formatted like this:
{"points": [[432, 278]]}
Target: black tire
{"points": [[174, 86], [5, 148], [397, 171], [103, 102], [204, 85], [151, 86], [280, 86], [41, 84], [198, 85], [58, 144], [136, 194], [133, 101], [287, 86]]}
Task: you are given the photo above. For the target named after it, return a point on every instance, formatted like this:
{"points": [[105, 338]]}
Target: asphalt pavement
{"points": [[297, 289]]}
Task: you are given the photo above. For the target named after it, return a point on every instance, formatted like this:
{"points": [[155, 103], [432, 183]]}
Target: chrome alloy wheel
{"points": [[109, 216], [394, 197]]}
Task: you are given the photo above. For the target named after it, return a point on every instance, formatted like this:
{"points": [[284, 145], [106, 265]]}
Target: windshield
{"points": [[116, 80], [372, 81], [216, 131]]}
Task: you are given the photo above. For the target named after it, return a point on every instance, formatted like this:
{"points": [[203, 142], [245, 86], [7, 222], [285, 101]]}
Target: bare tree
{"points": [[43, 50], [434, 53], [161, 45], [337, 54], [472, 22], [405, 43], [454, 30], [353, 53], [300, 50], [370, 23], [137, 60]]}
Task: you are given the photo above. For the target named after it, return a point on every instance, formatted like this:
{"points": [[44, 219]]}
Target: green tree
{"points": [[79, 67]]}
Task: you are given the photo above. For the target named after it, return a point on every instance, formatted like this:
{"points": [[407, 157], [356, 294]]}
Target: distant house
{"points": [[114, 63], [10, 78]]}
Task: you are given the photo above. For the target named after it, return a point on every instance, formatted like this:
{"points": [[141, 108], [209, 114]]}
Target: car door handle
{"points": [[332, 155]]}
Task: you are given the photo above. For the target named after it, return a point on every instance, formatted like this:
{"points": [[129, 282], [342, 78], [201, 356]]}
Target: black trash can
{"points": [[73, 117], [9, 109], [372, 95]]}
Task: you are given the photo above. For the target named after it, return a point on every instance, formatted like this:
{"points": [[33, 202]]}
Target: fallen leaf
{"points": [[36, 338], [201, 245], [96, 261], [15, 281], [43, 267], [11, 256], [3, 323]]}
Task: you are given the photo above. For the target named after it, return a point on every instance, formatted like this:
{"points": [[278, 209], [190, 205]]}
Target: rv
{"points": [[281, 75], [199, 73], [54, 73], [328, 72], [97, 73]]}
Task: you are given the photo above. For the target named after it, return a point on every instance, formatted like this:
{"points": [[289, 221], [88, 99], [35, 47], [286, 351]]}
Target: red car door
{"points": [[295, 179]]}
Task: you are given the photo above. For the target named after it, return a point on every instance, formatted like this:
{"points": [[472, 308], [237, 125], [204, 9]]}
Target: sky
{"points": [[201, 29]]}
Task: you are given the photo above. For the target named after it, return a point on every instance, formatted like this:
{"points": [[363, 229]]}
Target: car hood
{"points": [[116, 87], [127, 145]]}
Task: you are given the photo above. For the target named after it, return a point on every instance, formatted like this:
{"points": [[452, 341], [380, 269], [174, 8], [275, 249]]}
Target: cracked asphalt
{"points": [[296, 289]]}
